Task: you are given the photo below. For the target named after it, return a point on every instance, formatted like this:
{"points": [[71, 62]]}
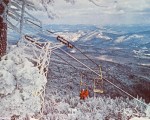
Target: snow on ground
{"points": [[95, 34], [63, 103], [141, 118], [59, 107], [126, 38], [71, 36], [142, 53], [90, 35], [20, 83], [120, 39], [101, 36], [115, 59], [147, 65], [135, 36]]}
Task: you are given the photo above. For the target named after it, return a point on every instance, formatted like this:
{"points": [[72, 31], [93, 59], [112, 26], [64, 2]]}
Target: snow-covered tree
{"points": [[29, 4]]}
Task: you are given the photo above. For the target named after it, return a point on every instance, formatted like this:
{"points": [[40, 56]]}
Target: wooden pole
{"points": [[3, 27]]}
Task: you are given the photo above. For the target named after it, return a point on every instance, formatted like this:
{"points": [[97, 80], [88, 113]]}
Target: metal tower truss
{"points": [[38, 52], [37, 49]]}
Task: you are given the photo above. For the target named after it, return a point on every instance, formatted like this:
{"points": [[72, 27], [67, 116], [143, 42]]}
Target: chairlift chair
{"points": [[82, 84], [83, 93], [98, 88]]}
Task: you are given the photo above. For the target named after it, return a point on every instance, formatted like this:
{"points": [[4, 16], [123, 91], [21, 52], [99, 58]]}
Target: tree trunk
{"points": [[3, 26]]}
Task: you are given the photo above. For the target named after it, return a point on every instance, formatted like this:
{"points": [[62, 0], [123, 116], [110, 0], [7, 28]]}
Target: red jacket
{"points": [[84, 94]]}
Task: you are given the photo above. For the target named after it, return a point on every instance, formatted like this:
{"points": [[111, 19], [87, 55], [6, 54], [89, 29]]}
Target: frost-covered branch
{"points": [[46, 5], [95, 3]]}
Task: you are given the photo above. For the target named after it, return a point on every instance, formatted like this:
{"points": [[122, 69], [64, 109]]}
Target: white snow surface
{"points": [[101, 36], [19, 82], [141, 118], [148, 111], [72, 108], [127, 38], [71, 36], [120, 39], [95, 34]]}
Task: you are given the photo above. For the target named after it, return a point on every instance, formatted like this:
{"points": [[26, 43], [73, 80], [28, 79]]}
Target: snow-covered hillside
{"points": [[120, 71], [20, 81], [124, 59], [71, 36], [65, 107]]}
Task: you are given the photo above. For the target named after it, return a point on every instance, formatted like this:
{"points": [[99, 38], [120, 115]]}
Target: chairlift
{"points": [[99, 81], [84, 92], [83, 85]]}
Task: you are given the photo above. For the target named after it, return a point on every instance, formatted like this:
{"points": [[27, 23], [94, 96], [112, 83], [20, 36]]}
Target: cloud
{"points": [[104, 12], [133, 5]]}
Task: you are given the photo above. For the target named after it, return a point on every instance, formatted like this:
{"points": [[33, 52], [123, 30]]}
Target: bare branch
{"points": [[94, 2]]}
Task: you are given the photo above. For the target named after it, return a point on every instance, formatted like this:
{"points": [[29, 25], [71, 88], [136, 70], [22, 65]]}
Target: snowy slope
{"points": [[72, 108], [119, 53], [63, 102]]}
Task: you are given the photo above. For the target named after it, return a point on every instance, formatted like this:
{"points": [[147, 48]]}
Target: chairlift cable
{"points": [[58, 38], [64, 59], [103, 78], [94, 71], [40, 27], [34, 23]]}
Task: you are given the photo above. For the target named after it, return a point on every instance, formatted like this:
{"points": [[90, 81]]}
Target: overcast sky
{"points": [[108, 12]]}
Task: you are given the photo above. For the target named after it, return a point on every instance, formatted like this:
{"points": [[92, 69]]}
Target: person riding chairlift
{"points": [[84, 94]]}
